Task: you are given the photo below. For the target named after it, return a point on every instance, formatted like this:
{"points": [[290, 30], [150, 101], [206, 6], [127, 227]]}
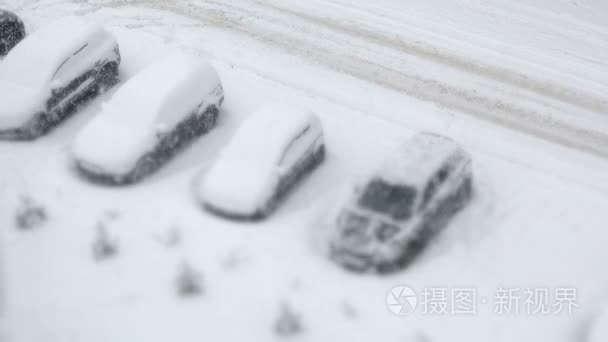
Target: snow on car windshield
{"points": [[394, 200]]}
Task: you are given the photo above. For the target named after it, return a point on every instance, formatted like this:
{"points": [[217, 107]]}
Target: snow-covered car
{"points": [[271, 153], [12, 31], [409, 199], [51, 72], [149, 119]]}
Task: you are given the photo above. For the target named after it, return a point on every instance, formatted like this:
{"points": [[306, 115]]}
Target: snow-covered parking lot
{"points": [[520, 84]]}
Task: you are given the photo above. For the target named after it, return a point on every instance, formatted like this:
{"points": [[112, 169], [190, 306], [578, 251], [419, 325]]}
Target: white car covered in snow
{"points": [[149, 119], [51, 72], [389, 220], [272, 151]]}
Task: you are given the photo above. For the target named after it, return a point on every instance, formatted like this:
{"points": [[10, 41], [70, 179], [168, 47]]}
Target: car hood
{"points": [[237, 189], [364, 243], [106, 147], [19, 104]]}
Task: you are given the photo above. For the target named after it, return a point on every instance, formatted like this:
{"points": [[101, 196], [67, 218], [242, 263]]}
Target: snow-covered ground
{"points": [[521, 84]]}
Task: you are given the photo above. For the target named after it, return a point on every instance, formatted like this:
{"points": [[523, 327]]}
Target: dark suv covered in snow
{"points": [[405, 203], [53, 71], [12, 31]]}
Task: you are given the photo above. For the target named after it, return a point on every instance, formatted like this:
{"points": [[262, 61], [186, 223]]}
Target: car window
{"points": [[429, 192], [438, 178], [294, 149], [443, 173], [395, 200]]}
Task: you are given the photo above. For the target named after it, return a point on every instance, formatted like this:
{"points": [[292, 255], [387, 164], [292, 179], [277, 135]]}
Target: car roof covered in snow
{"points": [[163, 93], [151, 102], [249, 162], [35, 59], [416, 160], [265, 134]]}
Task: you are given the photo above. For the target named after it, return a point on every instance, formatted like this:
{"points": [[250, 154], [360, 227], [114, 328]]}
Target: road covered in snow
{"points": [[505, 83], [522, 85]]}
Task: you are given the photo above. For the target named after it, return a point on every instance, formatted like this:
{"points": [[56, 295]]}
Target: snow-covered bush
{"points": [[189, 281], [349, 310], [104, 246], [288, 323], [235, 259], [30, 214], [421, 337], [171, 238]]}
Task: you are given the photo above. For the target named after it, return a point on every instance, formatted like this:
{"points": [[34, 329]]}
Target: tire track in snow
{"points": [[378, 18], [436, 54], [478, 102]]}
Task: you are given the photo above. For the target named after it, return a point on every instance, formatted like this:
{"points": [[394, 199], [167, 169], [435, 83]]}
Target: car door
{"points": [[72, 77], [296, 151], [435, 190]]}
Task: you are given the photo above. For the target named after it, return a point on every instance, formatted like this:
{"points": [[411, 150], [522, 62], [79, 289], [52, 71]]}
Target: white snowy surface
{"points": [[460, 71], [538, 218], [599, 327], [20, 105], [246, 173], [27, 71], [148, 105]]}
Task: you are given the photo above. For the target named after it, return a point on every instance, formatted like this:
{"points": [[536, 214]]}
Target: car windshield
{"points": [[394, 200]]}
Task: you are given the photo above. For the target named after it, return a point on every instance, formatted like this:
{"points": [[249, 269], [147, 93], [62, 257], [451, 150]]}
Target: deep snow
{"points": [[538, 218]]}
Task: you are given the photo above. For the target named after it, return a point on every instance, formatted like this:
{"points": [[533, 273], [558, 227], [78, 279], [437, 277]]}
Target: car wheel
{"points": [[463, 195], [211, 117], [468, 188], [145, 166], [107, 76], [38, 126], [264, 212], [320, 154]]}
